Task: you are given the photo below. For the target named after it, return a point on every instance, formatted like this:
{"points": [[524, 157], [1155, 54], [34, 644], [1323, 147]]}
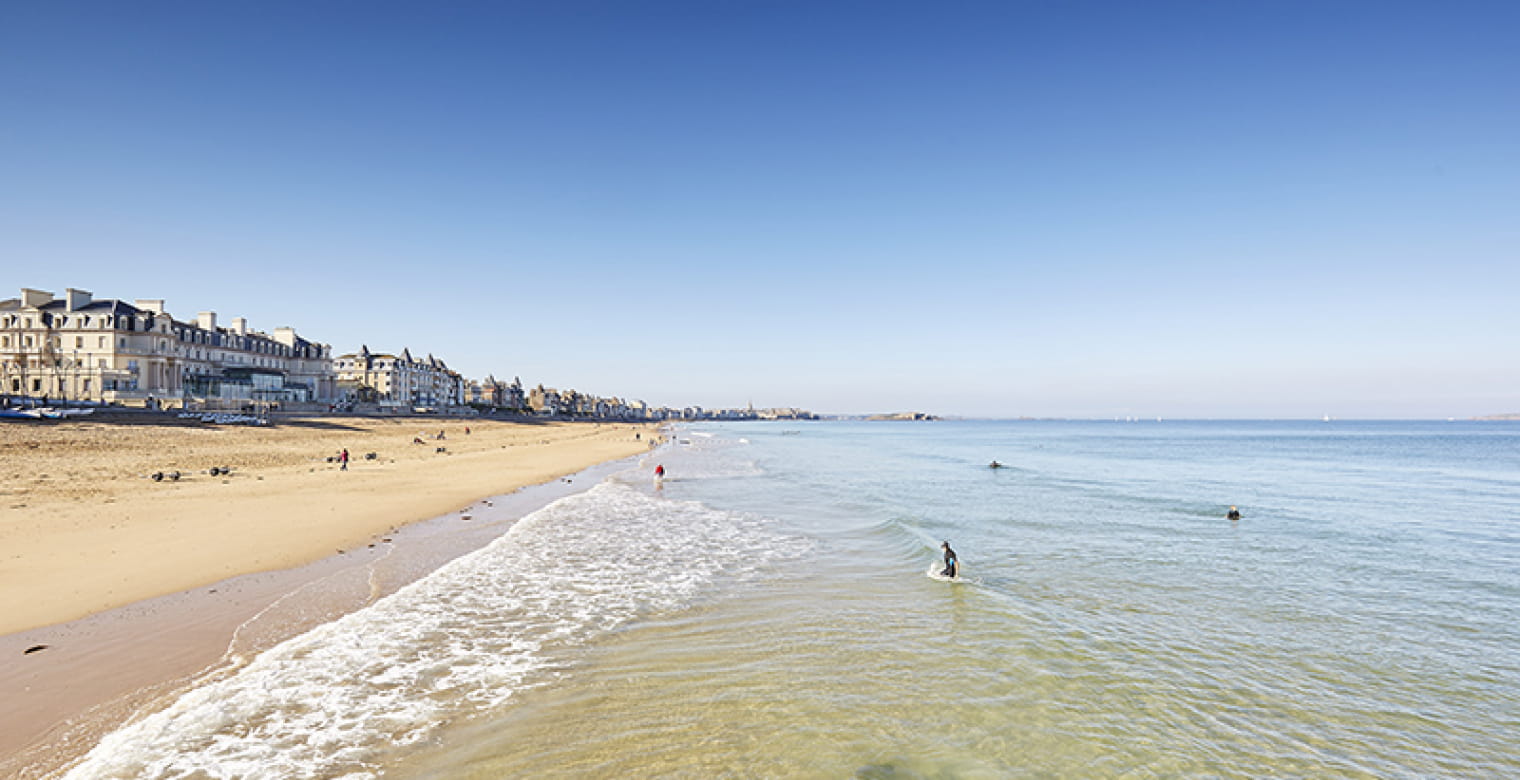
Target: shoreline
{"points": [[102, 669]]}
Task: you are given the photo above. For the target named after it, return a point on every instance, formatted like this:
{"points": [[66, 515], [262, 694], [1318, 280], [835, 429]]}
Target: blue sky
{"points": [[1212, 209]]}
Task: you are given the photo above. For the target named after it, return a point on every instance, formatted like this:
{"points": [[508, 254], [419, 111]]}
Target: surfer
{"points": [[994, 465], [951, 564], [659, 472], [1233, 514]]}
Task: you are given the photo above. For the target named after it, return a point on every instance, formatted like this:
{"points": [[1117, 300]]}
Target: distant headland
{"points": [[895, 416]]}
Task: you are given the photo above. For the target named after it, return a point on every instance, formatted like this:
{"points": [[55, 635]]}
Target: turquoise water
{"points": [[766, 613]]}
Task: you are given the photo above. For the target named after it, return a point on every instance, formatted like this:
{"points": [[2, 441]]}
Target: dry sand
{"points": [[83, 528]]}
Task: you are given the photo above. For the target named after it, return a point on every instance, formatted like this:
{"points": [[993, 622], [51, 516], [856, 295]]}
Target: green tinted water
{"points": [[1359, 621]]}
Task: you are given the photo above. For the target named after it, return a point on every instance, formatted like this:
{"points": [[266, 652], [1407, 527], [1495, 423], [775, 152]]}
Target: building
{"points": [[398, 382], [494, 393], [81, 349]]}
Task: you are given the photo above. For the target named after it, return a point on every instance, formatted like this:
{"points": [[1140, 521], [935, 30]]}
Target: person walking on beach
{"points": [[952, 564], [343, 460]]}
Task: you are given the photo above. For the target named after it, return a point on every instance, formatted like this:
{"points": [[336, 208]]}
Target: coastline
{"points": [[105, 666]]}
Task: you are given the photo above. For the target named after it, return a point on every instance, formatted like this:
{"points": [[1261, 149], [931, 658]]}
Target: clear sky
{"points": [[1210, 209]]}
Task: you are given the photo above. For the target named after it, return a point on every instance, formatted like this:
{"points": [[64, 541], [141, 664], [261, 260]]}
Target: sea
{"points": [[769, 610]]}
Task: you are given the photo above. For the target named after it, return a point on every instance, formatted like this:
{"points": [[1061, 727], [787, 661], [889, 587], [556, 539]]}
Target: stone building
{"points": [[398, 382], [495, 393], [78, 348]]}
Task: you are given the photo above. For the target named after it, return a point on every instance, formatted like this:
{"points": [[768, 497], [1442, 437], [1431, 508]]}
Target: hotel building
{"points": [[109, 351]]}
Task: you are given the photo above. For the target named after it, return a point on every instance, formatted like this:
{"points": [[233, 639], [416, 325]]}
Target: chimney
{"points": [[78, 299], [35, 298], [151, 304], [206, 320], [240, 325], [286, 336]]}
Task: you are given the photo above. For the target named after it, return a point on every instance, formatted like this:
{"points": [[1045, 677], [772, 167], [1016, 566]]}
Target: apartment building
{"points": [[398, 382]]}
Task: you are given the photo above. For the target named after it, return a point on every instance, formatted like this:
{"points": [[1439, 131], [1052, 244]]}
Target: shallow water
{"points": [[766, 613]]}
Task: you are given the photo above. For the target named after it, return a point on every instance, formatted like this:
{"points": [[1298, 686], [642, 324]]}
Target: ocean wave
{"points": [[464, 640]]}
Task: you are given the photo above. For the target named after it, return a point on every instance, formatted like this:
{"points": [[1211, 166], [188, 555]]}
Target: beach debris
{"points": [[35, 649], [371, 455], [385, 539]]}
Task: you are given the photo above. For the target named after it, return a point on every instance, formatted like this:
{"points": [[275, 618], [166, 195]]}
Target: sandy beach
{"points": [[84, 528], [86, 535]]}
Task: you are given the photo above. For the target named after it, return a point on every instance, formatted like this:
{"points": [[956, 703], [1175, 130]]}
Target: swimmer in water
{"points": [[994, 465], [1233, 514], [952, 566]]}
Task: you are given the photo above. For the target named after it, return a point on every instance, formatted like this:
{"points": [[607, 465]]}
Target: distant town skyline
{"points": [[1095, 210]]}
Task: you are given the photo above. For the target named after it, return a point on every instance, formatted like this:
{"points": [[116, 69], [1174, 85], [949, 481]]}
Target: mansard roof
{"points": [[61, 306]]}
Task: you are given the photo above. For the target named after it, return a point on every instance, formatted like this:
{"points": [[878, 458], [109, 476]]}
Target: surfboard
{"points": [[938, 566]]}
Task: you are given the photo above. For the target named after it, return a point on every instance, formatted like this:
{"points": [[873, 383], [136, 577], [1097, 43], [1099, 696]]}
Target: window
{"points": [[102, 344], [5, 341], [28, 341], [123, 342], [79, 342]]}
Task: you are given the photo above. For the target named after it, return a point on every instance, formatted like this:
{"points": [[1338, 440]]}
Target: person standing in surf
{"points": [[952, 564], [659, 473]]}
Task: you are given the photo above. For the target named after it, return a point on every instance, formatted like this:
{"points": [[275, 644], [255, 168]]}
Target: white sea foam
{"points": [[463, 640], [704, 458]]}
